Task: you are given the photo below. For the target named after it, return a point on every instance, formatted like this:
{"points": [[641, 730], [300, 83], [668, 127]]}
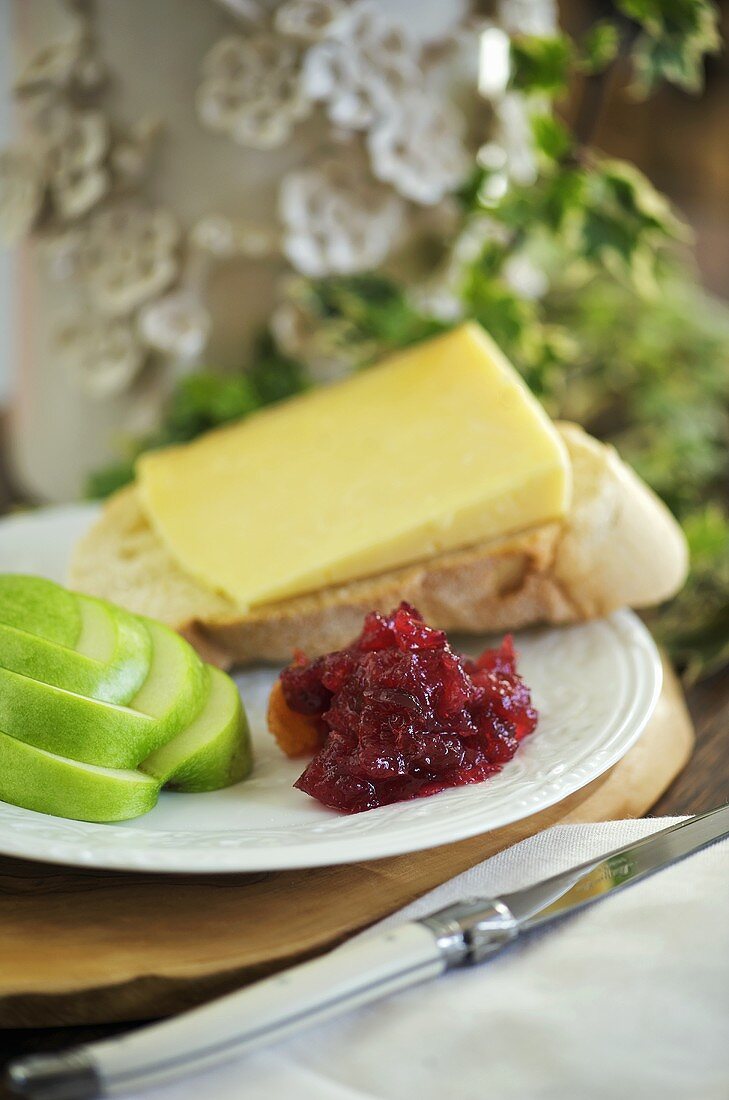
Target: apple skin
{"points": [[99, 708], [213, 751], [105, 734], [109, 663], [41, 781], [73, 726], [41, 607]]}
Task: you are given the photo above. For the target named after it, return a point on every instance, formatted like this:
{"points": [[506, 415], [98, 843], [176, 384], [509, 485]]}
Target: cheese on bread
{"points": [[617, 546], [438, 447]]}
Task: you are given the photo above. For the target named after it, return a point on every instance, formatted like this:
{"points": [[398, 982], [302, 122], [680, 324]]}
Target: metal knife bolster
{"points": [[471, 930]]}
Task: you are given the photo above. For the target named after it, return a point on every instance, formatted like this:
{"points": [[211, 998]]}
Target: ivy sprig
{"points": [[674, 39]]}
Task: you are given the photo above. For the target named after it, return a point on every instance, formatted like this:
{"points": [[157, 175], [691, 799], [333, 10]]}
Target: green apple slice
{"points": [[110, 661], [214, 750], [129, 657], [50, 784], [107, 734], [72, 725], [177, 685], [41, 607]]}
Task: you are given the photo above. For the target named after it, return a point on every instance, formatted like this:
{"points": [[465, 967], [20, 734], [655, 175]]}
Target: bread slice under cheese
{"points": [[618, 546]]}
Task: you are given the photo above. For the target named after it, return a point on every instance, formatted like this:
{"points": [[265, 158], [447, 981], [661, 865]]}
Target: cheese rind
{"points": [[437, 447]]}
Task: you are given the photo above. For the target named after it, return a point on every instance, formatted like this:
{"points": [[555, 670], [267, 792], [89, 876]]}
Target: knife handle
{"points": [[268, 1011]]}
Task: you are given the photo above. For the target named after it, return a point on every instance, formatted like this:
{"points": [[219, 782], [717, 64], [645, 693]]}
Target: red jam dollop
{"points": [[403, 716]]}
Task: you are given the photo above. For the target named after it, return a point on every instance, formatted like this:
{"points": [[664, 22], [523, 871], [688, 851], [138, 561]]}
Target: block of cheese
{"points": [[435, 448]]}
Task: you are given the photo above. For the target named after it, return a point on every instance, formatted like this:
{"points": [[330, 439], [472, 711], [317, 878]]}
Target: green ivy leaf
{"points": [[624, 223], [206, 400], [600, 47], [102, 483], [541, 64], [503, 314], [551, 136], [273, 376], [676, 37], [563, 197], [639, 198], [371, 311]]}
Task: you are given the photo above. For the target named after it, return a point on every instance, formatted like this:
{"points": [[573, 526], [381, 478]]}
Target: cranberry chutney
{"points": [[400, 715]]}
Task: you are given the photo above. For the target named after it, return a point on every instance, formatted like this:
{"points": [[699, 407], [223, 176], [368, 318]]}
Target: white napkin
{"points": [[628, 1000]]}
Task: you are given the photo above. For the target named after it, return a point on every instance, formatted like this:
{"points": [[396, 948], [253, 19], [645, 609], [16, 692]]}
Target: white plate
{"points": [[595, 686]]}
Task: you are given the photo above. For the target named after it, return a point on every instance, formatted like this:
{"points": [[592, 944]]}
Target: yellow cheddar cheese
{"points": [[437, 447]]}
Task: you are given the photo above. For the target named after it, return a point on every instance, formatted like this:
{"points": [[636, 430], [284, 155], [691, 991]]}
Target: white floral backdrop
{"points": [[176, 176]]}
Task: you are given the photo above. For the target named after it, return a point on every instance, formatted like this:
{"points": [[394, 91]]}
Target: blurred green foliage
{"points": [[541, 64], [600, 47], [673, 39]]}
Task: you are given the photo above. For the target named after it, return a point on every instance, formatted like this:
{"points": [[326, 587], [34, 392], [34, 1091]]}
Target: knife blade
{"points": [[570, 891], [352, 975]]}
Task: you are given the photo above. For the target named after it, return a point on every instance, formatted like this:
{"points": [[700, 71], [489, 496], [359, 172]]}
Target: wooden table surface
{"points": [[703, 785]]}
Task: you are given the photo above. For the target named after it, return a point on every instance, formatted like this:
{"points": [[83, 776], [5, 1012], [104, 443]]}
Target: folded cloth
{"points": [[627, 999]]}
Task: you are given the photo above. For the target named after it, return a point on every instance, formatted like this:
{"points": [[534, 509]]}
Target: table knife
{"points": [[469, 931]]}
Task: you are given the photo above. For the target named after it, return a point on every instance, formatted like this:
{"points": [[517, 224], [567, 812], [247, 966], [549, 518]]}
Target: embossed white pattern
{"points": [[595, 686]]}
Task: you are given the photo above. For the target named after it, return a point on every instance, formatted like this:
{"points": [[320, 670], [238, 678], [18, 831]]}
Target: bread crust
{"points": [[619, 546]]}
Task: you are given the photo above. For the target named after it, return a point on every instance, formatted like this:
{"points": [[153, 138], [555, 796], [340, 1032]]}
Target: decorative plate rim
{"points": [[389, 831]]}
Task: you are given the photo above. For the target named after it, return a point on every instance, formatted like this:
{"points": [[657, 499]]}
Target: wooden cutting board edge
{"points": [[84, 946]]}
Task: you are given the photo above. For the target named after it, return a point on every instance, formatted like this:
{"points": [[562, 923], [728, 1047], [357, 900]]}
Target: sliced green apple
{"points": [[41, 607], [130, 656], [88, 691], [50, 784], [110, 661], [72, 725], [214, 750], [112, 736], [177, 685]]}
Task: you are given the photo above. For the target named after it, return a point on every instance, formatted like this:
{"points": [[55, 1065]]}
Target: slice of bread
{"points": [[619, 546]]}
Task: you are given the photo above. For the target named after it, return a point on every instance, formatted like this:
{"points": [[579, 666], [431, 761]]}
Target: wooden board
{"points": [[85, 946]]}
